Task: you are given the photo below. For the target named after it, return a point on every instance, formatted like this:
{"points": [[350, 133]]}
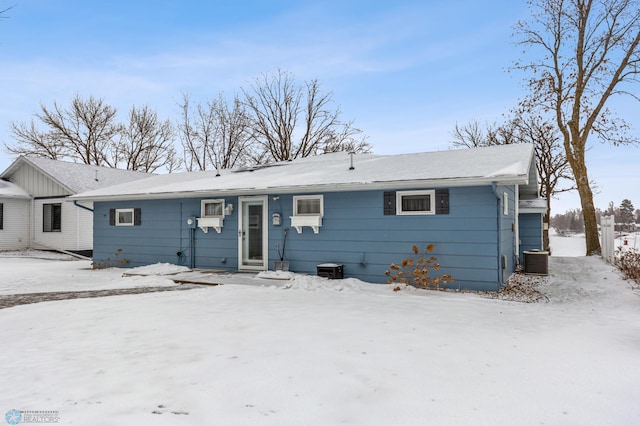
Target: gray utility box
{"points": [[536, 262], [333, 271]]}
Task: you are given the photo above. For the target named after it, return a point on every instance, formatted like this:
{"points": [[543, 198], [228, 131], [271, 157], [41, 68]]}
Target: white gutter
{"points": [[332, 187], [517, 222]]}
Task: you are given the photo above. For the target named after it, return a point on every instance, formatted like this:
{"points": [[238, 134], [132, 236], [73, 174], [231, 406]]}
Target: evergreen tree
{"points": [[626, 213]]}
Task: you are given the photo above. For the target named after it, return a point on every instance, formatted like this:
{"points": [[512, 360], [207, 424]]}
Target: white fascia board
{"points": [[364, 186], [15, 197], [541, 210]]}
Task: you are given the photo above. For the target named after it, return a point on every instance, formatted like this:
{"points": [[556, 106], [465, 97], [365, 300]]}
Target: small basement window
{"points": [[308, 205], [212, 208], [124, 217], [415, 202]]}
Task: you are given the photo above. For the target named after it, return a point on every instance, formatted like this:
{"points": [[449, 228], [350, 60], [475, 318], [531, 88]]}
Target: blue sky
{"points": [[404, 71]]}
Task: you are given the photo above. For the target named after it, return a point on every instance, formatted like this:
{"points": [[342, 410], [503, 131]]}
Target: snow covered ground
{"points": [[569, 246], [630, 241], [31, 271], [574, 245], [320, 352]]}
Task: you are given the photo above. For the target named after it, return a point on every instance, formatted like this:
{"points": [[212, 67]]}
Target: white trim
{"points": [[118, 211], [432, 202], [313, 220], [516, 206], [308, 197], [505, 203], [338, 187], [203, 204], [211, 221]]}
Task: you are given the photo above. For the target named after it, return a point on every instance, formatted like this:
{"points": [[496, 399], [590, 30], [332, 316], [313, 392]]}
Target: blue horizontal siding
{"points": [[355, 232], [530, 231]]}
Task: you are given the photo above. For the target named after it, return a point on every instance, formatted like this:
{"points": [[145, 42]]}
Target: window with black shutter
{"points": [[1, 215], [420, 202], [125, 217]]}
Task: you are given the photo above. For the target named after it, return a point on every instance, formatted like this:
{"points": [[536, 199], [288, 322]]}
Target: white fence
{"points": [[607, 236]]}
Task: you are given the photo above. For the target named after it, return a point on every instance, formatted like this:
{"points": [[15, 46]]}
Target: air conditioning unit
{"points": [[536, 262]]}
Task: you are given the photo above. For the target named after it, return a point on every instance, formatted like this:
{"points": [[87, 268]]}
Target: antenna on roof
{"points": [[351, 166]]}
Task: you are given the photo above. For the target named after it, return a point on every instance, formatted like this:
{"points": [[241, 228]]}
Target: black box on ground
{"points": [[333, 271]]}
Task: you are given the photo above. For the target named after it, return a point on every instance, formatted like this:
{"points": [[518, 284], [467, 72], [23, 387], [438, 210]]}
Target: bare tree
{"points": [[232, 136], [31, 141], [472, 135], [3, 11], [196, 131], [84, 132], [589, 53], [552, 165], [214, 135], [346, 141], [292, 121], [88, 132], [146, 142]]}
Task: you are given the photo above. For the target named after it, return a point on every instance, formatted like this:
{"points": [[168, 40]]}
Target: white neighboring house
{"points": [[15, 205], [35, 212]]}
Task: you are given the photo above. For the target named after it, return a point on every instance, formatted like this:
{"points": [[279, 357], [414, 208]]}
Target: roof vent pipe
{"points": [[351, 166], [97, 176]]}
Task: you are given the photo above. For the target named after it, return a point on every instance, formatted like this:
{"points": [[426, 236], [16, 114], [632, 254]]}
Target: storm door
{"points": [[252, 233]]}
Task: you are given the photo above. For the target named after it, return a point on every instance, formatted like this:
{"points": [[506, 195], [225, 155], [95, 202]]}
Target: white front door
{"points": [[252, 233]]}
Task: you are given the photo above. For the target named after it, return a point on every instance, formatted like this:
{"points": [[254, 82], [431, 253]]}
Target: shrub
{"points": [[629, 264], [416, 271]]}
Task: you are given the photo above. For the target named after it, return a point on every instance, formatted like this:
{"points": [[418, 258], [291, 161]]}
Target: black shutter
{"points": [[1, 215], [137, 219], [442, 201], [112, 217], [389, 203]]}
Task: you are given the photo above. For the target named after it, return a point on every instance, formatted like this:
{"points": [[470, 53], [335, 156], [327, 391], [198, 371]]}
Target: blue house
{"points": [[362, 211]]}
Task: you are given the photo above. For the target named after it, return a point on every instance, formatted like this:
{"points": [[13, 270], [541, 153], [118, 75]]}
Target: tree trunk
{"points": [[545, 231], [588, 209]]}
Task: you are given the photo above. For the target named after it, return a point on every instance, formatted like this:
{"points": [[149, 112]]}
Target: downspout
{"points": [[75, 203], [494, 186], [32, 224], [192, 251], [516, 231]]}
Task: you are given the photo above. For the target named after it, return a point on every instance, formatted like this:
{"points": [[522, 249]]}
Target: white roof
{"points": [[76, 177], [506, 164], [10, 190]]}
